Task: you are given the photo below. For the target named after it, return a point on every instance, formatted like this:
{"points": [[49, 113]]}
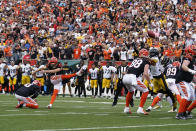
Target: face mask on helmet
{"points": [[154, 52], [165, 61]]}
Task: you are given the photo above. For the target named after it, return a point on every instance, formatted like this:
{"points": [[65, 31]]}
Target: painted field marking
{"points": [[41, 111], [115, 127], [133, 116], [12, 110], [101, 114], [165, 118]]}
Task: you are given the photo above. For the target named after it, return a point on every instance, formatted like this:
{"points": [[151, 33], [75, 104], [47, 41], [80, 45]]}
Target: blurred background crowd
{"points": [[94, 29]]}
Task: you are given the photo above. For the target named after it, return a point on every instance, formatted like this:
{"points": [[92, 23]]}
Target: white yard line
{"points": [[115, 127], [12, 110], [165, 118], [133, 116], [101, 114]]}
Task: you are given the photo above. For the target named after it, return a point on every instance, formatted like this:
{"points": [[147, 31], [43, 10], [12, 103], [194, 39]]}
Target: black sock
{"points": [[92, 91]]}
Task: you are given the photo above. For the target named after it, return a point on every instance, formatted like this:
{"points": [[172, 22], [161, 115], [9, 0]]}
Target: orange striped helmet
{"points": [[144, 53]]}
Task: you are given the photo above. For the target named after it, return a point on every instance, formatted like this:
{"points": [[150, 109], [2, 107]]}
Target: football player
{"points": [[159, 82], [13, 70], [80, 82], [107, 77], [170, 72], [26, 95], [121, 71], [93, 75], [66, 70], [131, 81], [26, 72], [184, 78], [54, 68], [39, 76], [3, 67]]}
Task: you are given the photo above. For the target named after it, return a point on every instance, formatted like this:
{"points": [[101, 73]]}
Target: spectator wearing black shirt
{"points": [[1, 53], [62, 52], [91, 53], [56, 50], [68, 53]]}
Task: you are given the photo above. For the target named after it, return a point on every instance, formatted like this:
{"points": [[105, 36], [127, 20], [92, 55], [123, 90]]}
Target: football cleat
{"points": [[141, 111], [149, 109], [180, 116], [127, 110], [49, 106], [157, 107], [173, 110], [189, 115], [20, 105], [114, 103]]}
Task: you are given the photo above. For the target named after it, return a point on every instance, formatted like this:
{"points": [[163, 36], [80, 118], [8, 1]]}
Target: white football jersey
{"points": [[26, 69], [107, 71], [39, 73], [2, 66], [12, 70], [94, 73], [156, 69]]}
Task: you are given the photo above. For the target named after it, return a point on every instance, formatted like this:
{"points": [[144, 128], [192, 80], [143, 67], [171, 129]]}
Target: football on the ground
{"points": [[151, 34]]}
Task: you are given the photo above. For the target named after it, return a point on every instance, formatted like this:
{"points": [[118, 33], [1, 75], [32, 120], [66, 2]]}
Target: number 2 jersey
{"points": [[171, 71], [28, 90], [137, 66]]}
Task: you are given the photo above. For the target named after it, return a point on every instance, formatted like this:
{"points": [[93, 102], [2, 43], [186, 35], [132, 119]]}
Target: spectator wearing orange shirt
{"points": [[107, 54], [178, 52], [77, 52], [8, 52]]}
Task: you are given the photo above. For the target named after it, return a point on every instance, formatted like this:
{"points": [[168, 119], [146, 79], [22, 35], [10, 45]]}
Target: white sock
{"points": [[170, 101]]}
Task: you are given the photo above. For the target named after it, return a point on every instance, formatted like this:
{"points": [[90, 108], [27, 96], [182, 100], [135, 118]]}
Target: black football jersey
{"points": [[58, 65], [120, 70], [184, 75], [29, 90], [66, 70], [171, 72], [137, 66]]}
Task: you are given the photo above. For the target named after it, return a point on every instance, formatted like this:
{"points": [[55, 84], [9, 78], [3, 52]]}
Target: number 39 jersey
{"points": [[171, 71], [137, 66]]}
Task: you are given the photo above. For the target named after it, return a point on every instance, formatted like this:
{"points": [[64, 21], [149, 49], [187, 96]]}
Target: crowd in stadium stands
{"points": [[94, 30]]}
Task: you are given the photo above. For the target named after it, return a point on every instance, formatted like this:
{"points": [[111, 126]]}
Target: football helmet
{"points": [[143, 53], [165, 61], [53, 60], [36, 82], [154, 52], [88, 88], [176, 64]]}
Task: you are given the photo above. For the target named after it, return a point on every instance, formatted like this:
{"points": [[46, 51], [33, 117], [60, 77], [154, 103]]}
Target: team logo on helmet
{"points": [[36, 82], [176, 64], [143, 53]]}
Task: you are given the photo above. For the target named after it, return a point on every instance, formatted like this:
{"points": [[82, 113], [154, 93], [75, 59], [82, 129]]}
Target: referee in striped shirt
{"points": [[121, 70]]}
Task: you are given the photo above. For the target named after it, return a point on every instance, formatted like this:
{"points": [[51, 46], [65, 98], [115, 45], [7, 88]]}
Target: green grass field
{"points": [[87, 114]]}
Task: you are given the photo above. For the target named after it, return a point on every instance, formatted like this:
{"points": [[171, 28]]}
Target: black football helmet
{"points": [[154, 52], [165, 61]]}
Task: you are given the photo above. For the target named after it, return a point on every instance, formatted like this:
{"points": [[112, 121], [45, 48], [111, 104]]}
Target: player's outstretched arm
{"points": [[185, 67], [146, 74], [52, 71], [40, 69]]}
